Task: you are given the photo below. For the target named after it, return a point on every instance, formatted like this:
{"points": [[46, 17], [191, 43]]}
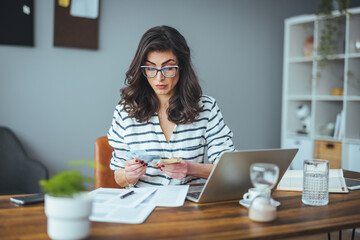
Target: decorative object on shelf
{"points": [[303, 113], [308, 46], [357, 45], [327, 129], [332, 32], [336, 91], [352, 81], [67, 204]]}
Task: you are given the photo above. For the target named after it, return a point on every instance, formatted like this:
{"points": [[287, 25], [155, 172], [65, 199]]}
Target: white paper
{"points": [[134, 209], [109, 207], [169, 196], [84, 8], [111, 196], [293, 181], [119, 214]]}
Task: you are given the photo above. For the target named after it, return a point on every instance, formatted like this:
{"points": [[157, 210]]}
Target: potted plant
{"points": [[67, 204], [332, 31]]}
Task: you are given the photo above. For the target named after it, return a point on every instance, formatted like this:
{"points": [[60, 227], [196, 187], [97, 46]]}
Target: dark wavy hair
{"points": [[139, 99]]}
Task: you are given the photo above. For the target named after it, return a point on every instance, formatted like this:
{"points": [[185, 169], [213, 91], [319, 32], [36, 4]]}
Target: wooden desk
{"points": [[222, 220]]}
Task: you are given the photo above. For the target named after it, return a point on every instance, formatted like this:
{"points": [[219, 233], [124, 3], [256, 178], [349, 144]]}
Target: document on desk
{"points": [[168, 196], [120, 214], [112, 196], [108, 206], [293, 181]]}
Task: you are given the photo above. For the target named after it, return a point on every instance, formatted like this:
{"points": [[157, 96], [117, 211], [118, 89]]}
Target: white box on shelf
{"points": [[306, 150], [353, 157]]}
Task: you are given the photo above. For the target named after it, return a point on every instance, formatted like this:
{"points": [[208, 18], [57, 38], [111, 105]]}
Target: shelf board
{"points": [[353, 98], [327, 138], [329, 98], [352, 140], [299, 97], [324, 138], [298, 136], [353, 55], [300, 59], [296, 20], [336, 56]]}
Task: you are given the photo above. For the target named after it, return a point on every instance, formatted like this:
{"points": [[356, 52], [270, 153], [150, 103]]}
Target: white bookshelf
{"points": [[306, 82]]}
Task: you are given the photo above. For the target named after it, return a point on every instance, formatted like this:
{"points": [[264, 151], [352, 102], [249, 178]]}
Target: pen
{"points": [[127, 194]]}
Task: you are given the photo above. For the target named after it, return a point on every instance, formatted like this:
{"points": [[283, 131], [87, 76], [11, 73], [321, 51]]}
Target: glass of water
{"points": [[316, 182]]}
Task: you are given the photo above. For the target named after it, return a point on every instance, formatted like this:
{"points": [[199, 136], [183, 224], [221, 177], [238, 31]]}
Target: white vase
{"points": [[68, 218]]}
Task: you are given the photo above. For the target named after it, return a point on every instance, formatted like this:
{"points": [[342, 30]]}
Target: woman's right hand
{"points": [[134, 169]]}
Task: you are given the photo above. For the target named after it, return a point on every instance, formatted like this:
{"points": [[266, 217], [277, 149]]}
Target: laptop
{"points": [[230, 177]]}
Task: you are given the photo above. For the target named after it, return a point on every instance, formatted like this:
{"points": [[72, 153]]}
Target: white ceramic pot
{"points": [[68, 218]]}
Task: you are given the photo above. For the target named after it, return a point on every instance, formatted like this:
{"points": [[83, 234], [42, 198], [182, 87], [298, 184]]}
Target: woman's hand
{"points": [[176, 170], [134, 169], [187, 168]]}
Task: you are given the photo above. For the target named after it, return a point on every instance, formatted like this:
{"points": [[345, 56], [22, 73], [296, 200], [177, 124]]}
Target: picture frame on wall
{"points": [[17, 23]]}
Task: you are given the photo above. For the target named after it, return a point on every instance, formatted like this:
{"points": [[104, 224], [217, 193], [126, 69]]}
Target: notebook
{"points": [[230, 177], [293, 181]]}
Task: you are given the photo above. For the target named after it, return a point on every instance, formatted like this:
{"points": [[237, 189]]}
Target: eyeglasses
{"points": [[168, 71]]}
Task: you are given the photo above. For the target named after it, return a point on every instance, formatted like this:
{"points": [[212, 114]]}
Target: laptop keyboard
{"points": [[195, 195]]}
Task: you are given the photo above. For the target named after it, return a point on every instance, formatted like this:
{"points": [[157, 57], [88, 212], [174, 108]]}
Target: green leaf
{"points": [[68, 183], [64, 184]]}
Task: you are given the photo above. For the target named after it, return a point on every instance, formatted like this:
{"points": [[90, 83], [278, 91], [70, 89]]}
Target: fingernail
{"points": [[162, 165], [142, 162], [159, 167], [146, 164], [136, 160]]}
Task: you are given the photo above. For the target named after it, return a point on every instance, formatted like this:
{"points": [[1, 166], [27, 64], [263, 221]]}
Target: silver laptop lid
{"points": [[230, 178]]}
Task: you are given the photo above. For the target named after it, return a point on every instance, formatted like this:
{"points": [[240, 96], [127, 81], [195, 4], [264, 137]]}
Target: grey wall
{"points": [[59, 100]]}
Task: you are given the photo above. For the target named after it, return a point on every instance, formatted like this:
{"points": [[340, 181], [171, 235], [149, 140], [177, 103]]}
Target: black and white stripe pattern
{"points": [[188, 141]]}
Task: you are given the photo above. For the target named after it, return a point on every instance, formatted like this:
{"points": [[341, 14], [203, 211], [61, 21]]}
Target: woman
{"points": [[162, 111]]}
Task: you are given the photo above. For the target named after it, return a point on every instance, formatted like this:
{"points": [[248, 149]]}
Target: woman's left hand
{"points": [[176, 170]]}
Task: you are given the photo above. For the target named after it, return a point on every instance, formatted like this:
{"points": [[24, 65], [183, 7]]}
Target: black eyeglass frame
{"points": [[159, 70]]}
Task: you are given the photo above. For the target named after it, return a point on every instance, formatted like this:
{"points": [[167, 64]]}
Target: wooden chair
{"points": [[104, 176]]}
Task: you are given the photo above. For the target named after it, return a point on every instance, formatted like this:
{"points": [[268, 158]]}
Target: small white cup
{"points": [[254, 192]]}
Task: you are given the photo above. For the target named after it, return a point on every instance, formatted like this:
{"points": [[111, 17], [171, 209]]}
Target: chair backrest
{"points": [[104, 176], [19, 174]]}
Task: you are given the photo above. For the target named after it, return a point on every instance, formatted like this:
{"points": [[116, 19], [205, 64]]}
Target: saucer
{"points": [[247, 203]]}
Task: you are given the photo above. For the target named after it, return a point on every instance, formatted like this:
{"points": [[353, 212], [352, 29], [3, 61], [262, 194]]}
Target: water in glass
{"points": [[316, 182]]}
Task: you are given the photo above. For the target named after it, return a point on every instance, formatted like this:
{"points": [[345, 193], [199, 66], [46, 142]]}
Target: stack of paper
{"points": [[293, 181], [108, 206]]}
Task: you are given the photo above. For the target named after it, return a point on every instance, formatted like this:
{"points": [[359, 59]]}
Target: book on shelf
{"points": [[293, 181], [342, 125], [339, 125]]}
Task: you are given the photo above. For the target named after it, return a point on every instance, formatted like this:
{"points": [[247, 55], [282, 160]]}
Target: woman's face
{"points": [[162, 86]]}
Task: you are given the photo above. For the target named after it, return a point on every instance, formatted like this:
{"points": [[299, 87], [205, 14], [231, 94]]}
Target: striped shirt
{"points": [[206, 136]]}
